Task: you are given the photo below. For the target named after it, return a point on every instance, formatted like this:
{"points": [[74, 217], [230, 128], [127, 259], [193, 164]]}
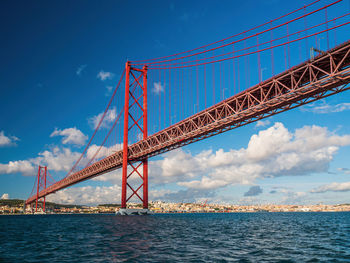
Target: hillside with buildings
{"points": [[15, 206]]}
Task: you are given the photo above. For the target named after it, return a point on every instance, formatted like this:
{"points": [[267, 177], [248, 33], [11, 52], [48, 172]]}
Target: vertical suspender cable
{"points": [[272, 55], [234, 70], [326, 15], [213, 69], [288, 45], [169, 97], [259, 63], [205, 88], [306, 33], [197, 88]]}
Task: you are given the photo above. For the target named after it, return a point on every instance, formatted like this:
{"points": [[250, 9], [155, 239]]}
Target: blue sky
{"points": [[59, 58]]}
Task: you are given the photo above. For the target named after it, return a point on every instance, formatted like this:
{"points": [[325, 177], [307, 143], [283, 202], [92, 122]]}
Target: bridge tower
{"points": [[41, 185], [135, 117]]}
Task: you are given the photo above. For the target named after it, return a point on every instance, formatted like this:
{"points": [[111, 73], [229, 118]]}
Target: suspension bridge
{"points": [[176, 100]]}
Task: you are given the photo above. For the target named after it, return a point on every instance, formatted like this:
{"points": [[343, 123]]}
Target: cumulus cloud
{"points": [[93, 195], [174, 166], [104, 75], [101, 152], [87, 195], [70, 136], [273, 152], [323, 107], [7, 140], [24, 167], [254, 191], [5, 197], [57, 159], [333, 187], [262, 123], [108, 120], [157, 88], [204, 183]]}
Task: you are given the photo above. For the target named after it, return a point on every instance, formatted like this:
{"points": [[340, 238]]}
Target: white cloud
{"points": [[80, 69], [108, 120], [103, 152], [323, 107], [7, 140], [204, 183], [272, 152], [70, 136], [22, 166], [157, 87], [104, 75], [113, 177], [90, 195], [58, 159], [5, 197], [87, 195], [175, 165], [262, 123], [334, 187]]}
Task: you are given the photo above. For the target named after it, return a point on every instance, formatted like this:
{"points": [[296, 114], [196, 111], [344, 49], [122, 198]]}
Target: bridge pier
{"points": [[138, 121]]}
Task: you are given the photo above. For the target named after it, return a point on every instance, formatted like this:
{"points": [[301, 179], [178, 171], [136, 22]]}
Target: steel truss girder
{"points": [[325, 75]]}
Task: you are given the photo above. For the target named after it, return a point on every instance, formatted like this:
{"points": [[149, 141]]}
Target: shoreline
{"points": [[175, 213]]}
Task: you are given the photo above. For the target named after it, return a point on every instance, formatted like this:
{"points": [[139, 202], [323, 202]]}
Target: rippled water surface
{"points": [[242, 237]]}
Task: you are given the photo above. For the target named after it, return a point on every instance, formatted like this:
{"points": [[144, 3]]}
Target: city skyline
{"points": [[56, 85]]}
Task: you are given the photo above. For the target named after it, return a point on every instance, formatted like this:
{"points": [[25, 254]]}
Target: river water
{"points": [[236, 237]]}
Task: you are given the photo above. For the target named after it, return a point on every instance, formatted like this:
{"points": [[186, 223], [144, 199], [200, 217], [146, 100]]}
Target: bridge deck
{"points": [[325, 75]]}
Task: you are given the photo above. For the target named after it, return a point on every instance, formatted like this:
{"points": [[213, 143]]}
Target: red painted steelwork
{"points": [[145, 135], [130, 93], [325, 75], [126, 128], [41, 186]]}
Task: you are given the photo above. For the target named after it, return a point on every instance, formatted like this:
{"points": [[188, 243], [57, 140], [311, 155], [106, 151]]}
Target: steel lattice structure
{"points": [[41, 185], [136, 79], [324, 75]]}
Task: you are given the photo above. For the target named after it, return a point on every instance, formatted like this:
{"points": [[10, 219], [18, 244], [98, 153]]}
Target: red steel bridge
{"points": [[295, 59]]}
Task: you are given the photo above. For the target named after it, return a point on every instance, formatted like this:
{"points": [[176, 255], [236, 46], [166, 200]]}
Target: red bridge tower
{"points": [[41, 185], [136, 111]]}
